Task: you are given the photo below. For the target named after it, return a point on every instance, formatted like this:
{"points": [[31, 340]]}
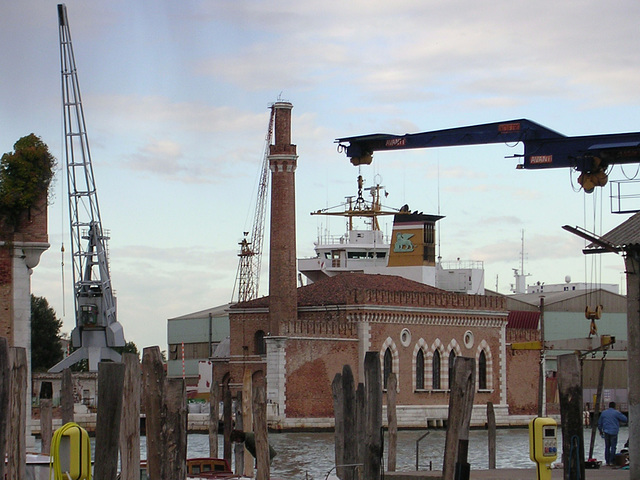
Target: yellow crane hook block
{"points": [[70, 453]]}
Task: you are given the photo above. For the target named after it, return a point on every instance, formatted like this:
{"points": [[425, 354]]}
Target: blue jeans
{"points": [[610, 445]]}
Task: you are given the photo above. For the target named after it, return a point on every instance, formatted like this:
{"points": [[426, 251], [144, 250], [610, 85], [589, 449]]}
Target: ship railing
{"points": [[462, 264]]}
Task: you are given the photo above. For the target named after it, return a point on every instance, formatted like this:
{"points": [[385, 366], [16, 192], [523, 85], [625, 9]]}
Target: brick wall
{"points": [[523, 373], [6, 293], [311, 367]]}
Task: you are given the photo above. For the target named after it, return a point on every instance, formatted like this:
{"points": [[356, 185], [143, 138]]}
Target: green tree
{"points": [[129, 347], [46, 348], [25, 174]]}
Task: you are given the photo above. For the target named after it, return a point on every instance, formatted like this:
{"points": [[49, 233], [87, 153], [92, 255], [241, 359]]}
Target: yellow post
{"points": [[543, 445]]}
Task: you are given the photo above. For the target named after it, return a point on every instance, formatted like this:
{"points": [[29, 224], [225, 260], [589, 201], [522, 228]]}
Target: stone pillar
{"points": [[276, 378], [283, 303], [20, 251]]}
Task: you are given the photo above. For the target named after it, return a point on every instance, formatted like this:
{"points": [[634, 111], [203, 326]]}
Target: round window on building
{"points": [[468, 339], [405, 337]]}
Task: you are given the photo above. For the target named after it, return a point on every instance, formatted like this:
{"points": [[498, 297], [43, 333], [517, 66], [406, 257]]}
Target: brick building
{"points": [[417, 329], [20, 250], [297, 339]]}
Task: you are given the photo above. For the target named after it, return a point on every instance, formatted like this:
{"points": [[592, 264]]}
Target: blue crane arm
{"points": [[543, 147]]}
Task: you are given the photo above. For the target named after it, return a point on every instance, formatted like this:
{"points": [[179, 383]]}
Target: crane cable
{"points": [[593, 278]]}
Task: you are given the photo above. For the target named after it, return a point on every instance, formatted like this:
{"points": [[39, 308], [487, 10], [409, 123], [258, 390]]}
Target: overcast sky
{"points": [[176, 97]]}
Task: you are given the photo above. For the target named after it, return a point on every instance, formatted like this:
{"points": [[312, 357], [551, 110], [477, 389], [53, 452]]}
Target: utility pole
{"points": [[542, 383]]}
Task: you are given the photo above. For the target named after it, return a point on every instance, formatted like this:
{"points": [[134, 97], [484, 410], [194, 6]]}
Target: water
{"points": [[312, 454]]}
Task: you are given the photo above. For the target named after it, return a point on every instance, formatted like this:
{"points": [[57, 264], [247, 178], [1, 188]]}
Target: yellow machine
{"points": [[543, 445], [71, 453]]}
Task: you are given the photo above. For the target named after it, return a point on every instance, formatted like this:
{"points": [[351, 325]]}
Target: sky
{"points": [[176, 97]]}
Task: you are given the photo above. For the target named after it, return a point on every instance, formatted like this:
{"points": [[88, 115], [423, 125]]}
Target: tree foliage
{"points": [[46, 348], [25, 174]]}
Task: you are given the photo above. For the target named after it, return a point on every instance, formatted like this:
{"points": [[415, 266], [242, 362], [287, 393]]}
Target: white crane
{"points": [[97, 330]]}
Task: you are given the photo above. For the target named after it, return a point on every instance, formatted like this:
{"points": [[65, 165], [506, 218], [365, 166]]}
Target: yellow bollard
{"points": [[70, 453]]}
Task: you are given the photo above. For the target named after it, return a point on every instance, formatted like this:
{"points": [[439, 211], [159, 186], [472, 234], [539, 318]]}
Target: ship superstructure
{"points": [[409, 252]]}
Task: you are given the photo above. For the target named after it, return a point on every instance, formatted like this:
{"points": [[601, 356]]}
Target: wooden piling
{"points": [[130, 427], [461, 394], [238, 449], [66, 396], [491, 430], [360, 427], [16, 446], [373, 416], [338, 414], [392, 421], [5, 388], [570, 392], [214, 418], [349, 415], [46, 416], [153, 377], [228, 422], [263, 460], [596, 408], [247, 417], [175, 429], [110, 395]]}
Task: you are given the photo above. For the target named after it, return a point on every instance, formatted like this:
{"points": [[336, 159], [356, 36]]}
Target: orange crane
{"points": [[248, 275]]}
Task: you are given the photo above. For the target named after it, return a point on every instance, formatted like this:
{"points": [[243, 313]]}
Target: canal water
{"points": [[311, 455]]}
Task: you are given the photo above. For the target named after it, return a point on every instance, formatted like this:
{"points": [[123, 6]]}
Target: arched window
{"points": [[259, 344], [482, 371], [452, 360], [420, 370], [388, 361], [435, 383]]}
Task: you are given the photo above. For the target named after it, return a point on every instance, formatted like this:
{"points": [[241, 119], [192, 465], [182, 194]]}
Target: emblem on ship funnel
{"points": [[403, 244]]}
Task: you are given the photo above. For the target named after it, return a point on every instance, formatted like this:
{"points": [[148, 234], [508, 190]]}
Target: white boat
{"points": [[409, 252]]}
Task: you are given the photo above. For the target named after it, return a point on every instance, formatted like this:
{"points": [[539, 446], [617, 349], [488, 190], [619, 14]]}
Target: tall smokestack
{"points": [[283, 304]]}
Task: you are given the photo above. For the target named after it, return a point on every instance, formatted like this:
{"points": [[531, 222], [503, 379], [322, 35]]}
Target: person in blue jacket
{"points": [[609, 426]]}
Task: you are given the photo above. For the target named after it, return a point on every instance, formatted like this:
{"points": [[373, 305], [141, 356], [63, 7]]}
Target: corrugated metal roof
{"points": [[627, 234], [219, 311], [555, 297], [519, 319]]}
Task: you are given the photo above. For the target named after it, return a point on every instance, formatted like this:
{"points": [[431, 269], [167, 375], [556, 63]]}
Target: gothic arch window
{"points": [[452, 360], [484, 364], [388, 366], [482, 371], [420, 370], [390, 362], [435, 370], [259, 345]]}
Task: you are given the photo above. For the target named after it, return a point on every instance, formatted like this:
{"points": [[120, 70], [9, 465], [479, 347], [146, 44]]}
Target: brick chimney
{"points": [[283, 304]]}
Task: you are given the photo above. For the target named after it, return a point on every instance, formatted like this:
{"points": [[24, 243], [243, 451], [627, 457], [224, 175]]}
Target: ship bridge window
{"points": [[356, 255]]}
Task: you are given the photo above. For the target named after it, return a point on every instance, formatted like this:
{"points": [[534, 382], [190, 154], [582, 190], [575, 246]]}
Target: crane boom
{"points": [[543, 148], [248, 277], [97, 329]]}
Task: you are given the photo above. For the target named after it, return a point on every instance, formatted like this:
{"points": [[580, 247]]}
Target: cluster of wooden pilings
{"points": [[124, 390], [358, 416], [359, 432]]}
